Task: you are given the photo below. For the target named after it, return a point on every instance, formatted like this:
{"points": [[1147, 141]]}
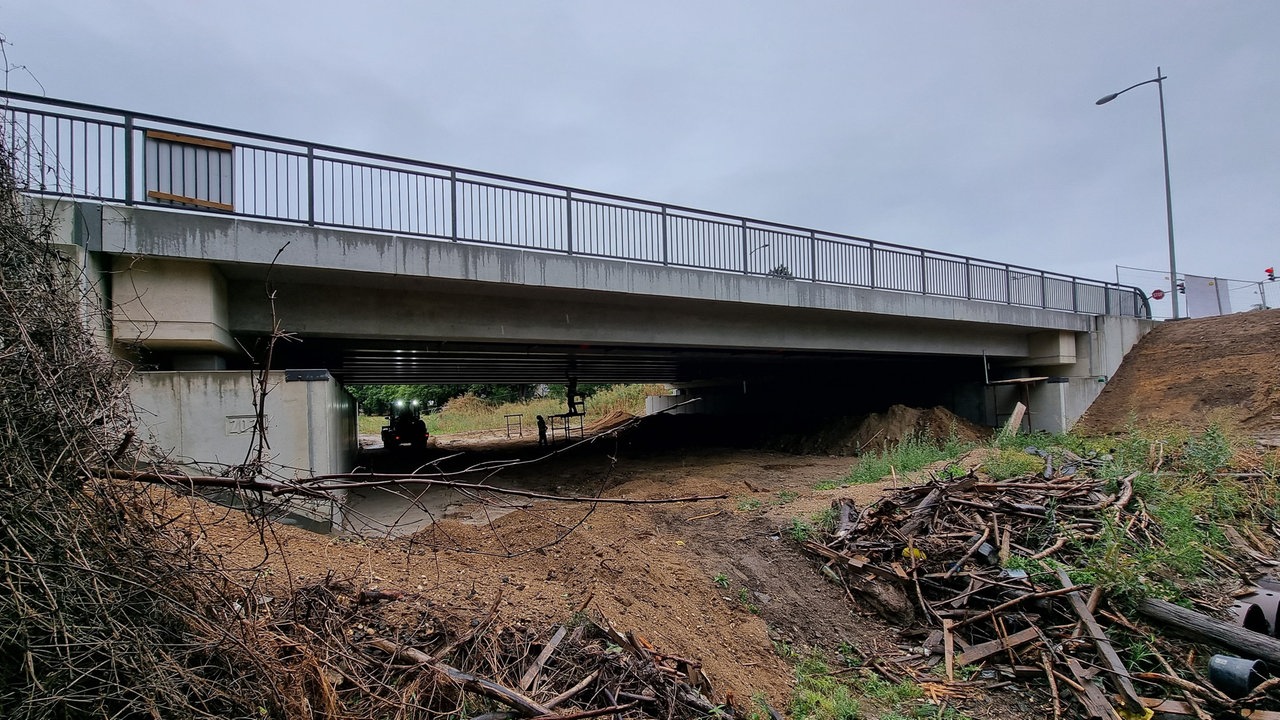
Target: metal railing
{"points": [[87, 151]]}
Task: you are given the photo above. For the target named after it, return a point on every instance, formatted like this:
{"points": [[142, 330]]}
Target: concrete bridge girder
{"points": [[334, 283]]}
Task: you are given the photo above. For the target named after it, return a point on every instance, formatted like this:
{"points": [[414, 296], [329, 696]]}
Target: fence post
{"points": [[1044, 291], [453, 205], [311, 185], [871, 269], [968, 279], [924, 275], [666, 258], [128, 159], [745, 255], [1008, 286], [813, 257], [568, 225], [1075, 294]]}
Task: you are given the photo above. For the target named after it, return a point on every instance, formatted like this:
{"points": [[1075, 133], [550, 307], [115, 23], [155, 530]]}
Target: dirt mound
{"points": [[877, 431], [1191, 373], [608, 422]]}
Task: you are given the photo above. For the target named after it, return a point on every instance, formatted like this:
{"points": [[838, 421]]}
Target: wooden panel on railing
{"points": [[189, 171]]}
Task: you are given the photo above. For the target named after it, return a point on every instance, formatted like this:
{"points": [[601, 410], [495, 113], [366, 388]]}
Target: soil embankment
{"points": [[1191, 373]]}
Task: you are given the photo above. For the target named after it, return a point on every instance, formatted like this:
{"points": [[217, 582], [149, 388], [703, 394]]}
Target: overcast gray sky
{"points": [[968, 127]]}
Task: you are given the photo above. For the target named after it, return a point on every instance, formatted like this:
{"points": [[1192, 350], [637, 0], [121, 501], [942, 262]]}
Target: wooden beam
{"points": [[1015, 420], [170, 197], [536, 668], [189, 140], [1128, 695], [991, 647]]}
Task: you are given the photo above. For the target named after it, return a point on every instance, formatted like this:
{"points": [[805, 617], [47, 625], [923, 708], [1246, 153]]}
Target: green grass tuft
{"points": [[907, 456], [819, 696], [1012, 463]]}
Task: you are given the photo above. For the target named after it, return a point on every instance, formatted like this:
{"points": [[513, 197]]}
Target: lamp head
{"points": [[1107, 98]]}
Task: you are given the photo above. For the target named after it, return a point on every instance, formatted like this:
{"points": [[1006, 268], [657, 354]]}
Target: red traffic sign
{"points": [[1157, 294]]}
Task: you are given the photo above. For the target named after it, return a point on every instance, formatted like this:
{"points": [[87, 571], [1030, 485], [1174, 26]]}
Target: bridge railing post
{"points": [[1044, 291], [871, 264], [1008, 285], [311, 185], [746, 256], [968, 279], [924, 274], [813, 257], [666, 257], [1075, 294], [568, 221], [128, 159], [453, 205]]}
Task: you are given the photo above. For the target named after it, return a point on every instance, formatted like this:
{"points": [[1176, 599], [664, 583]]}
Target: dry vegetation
{"points": [[103, 613]]}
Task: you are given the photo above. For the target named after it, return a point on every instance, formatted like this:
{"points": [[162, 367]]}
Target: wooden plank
{"points": [[949, 649], [991, 647], [1128, 694], [526, 681], [858, 563], [1015, 420], [189, 140], [157, 195], [1094, 700]]}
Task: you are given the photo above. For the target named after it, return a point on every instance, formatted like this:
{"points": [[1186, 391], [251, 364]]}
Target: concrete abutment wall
{"points": [[206, 420], [1057, 406]]}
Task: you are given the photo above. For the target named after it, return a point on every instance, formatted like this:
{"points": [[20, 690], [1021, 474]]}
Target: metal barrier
{"points": [[87, 151]]}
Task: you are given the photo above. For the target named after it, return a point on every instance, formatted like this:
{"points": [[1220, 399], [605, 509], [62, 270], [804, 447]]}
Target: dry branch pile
{"points": [[379, 654], [958, 556]]}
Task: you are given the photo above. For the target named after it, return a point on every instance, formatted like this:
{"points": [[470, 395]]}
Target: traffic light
{"points": [[1182, 288], [1271, 274]]}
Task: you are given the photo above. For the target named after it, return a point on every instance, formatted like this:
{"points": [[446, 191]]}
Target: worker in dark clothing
{"points": [[542, 431], [573, 396]]}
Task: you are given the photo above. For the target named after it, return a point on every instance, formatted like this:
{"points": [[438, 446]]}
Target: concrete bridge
{"points": [[390, 270]]}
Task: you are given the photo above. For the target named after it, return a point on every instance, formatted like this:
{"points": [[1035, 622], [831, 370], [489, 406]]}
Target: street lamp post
{"points": [[1168, 195]]}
